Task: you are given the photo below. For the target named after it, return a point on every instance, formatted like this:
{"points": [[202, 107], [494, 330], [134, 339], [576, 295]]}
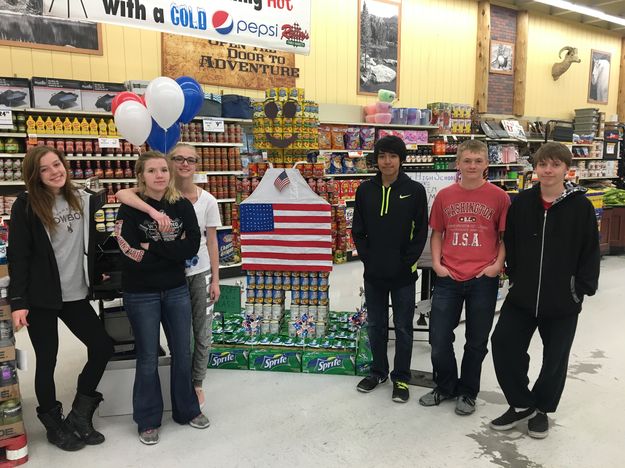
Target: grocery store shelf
{"points": [[11, 182], [223, 228], [12, 135], [71, 136], [12, 155], [232, 265], [414, 146], [226, 200], [458, 135], [211, 173], [108, 181], [31, 110], [112, 205], [225, 119], [360, 174], [379, 125], [201, 143], [502, 180], [582, 158], [345, 151], [506, 165], [101, 158], [421, 164], [598, 178]]}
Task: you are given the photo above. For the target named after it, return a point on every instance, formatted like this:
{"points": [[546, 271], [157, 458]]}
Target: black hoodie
{"points": [[390, 228], [552, 256]]}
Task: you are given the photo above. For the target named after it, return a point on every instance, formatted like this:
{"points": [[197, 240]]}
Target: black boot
{"points": [[80, 418], [57, 431]]}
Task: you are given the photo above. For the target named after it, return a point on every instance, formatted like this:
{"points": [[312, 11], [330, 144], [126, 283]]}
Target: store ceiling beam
{"points": [[620, 103], [520, 63], [482, 57]]}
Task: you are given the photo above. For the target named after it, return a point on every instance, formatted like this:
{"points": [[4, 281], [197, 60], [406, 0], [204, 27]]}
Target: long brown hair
{"points": [[172, 194], [40, 198]]}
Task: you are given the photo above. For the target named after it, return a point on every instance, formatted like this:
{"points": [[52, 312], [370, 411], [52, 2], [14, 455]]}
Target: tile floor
{"points": [[299, 420]]}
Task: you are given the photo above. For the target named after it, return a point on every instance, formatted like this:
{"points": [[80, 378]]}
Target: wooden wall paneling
{"points": [[482, 56], [42, 62], [115, 49], [520, 63], [22, 60], [620, 105]]}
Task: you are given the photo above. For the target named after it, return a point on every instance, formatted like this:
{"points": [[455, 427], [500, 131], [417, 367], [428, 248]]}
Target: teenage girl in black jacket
{"points": [[47, 265]]}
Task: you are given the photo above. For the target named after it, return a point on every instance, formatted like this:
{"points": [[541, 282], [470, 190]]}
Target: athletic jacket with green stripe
{"points": [[390, 228]]}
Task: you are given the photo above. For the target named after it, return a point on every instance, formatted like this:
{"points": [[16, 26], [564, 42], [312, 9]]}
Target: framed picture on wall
{"points": [[501, 57], [22, 24], [379, 35], [599, 78]]}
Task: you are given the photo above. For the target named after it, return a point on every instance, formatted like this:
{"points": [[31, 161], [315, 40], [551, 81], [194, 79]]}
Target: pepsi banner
{"points": [[271, 24]]}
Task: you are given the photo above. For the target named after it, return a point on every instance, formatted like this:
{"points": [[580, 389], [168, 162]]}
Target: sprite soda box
{"points": [[364, 358], [277, 360], [228, 358], [324, 362]]}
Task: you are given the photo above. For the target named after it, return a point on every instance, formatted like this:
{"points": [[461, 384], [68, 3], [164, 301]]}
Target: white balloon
{"points": [[165, 101], [133, 122]]}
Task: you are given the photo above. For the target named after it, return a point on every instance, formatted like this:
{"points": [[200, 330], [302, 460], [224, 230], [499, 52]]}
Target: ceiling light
{"points": [[584, 10]]}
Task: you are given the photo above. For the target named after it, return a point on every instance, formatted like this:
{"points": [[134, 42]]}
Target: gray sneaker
{"points": [[200, 422], [434, 398], [465, 405], [149, 437]]}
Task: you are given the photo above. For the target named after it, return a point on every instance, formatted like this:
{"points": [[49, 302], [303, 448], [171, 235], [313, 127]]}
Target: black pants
{"points": [[403, 298], [83, 322], [510, 342]]}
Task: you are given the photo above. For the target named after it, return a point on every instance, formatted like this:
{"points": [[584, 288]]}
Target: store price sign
{"points": [[214, 125], [108, 142], [6, 118]]}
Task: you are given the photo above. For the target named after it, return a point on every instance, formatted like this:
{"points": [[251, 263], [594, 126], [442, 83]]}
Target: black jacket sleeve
{"points": [[188, 243], [419, 232], [359, 229], [18, 255], [509, 242], [587, 276]]}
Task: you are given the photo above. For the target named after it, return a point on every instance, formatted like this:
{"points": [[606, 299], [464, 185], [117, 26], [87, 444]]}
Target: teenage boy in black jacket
{"points": [[552, 260], [390, 229]]}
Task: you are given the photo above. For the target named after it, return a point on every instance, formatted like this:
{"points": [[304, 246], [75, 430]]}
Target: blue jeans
{"points": [[146, 311], [377, 317], [480, 297]]}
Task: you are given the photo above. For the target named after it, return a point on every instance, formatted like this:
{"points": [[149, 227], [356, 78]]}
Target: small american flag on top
{"points": [[289, 230], [282, 180]]}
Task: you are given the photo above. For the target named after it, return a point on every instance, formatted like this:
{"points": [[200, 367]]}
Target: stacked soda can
{"points": [[267, 291]]}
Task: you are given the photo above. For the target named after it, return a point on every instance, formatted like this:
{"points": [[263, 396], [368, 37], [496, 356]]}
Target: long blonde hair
{"points": [[40, 199], [172, 194]]}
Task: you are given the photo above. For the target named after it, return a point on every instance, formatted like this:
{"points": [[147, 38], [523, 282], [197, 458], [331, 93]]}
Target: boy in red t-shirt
{"points": [[467, 221]]}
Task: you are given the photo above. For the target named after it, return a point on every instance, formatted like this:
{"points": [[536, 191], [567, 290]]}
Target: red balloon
{"points": [[123, 97]]}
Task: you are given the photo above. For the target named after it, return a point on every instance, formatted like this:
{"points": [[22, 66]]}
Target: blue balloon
{"points": [[193, 100], [163, 140], [187, 79]]}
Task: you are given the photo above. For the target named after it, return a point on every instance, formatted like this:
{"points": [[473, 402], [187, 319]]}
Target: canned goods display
{"points": [[269, 280], [258, 310], [304, 282], [295, 314], [268, 296], [274, 326], [267, 311], [320, 328], [276, 312], [264, 327], [277, 281], [312, 282]]}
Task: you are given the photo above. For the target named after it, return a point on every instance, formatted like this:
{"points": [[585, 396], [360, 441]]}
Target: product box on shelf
{"points": [[52, 93], [327, 362], [228, 358], [98, 96], [7, 353], [137, 86], [9, 431], [275, 360], [14, 93]]}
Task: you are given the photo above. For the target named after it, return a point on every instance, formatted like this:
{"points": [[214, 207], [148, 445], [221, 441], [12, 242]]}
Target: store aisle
{"points": [[280, 419]]}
